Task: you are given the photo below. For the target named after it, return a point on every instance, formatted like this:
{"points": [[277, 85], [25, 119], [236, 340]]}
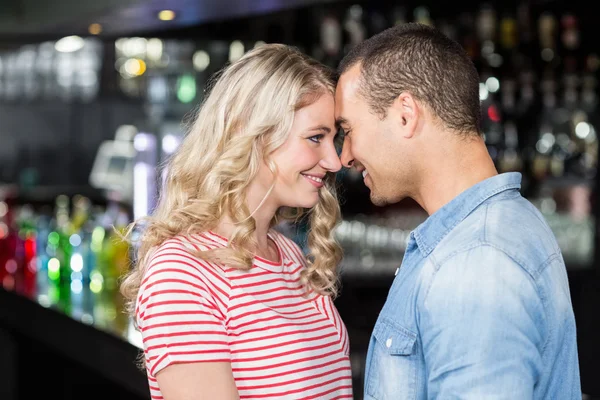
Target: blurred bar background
{"points": [[93, 98]]}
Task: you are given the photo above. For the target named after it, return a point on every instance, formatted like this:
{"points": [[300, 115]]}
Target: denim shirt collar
{"points": [[439, 224]]}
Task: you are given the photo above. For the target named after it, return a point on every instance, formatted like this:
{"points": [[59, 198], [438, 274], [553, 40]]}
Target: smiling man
{"points": [[481, 307]]}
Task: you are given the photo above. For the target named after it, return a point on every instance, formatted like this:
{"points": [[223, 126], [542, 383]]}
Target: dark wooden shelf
{"points": [[104, 353]]}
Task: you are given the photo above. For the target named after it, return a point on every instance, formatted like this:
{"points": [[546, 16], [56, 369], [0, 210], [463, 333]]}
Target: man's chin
{"points": [[378, 200]]}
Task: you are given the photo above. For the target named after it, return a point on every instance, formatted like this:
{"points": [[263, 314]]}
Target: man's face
{"points": [[372, 145]]}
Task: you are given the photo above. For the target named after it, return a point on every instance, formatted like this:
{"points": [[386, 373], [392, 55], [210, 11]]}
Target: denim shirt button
{"points": [[388, 343], [397, 270]]}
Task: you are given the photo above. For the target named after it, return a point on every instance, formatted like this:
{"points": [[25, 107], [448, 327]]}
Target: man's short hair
{"points": [[421, 60]]}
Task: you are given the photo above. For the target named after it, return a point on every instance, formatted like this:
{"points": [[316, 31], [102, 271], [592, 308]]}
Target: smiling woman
{"points": [[307, 155], [224, 302]]}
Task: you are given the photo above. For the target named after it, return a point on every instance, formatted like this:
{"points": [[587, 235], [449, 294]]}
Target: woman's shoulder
{"points": [[176, 276], [182, 253]]}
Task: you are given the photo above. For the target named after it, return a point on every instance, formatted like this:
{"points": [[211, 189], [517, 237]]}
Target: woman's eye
{"points": [[316, 138]]}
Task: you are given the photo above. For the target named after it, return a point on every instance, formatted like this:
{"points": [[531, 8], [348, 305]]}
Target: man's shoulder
{"points": [[512, 226]]}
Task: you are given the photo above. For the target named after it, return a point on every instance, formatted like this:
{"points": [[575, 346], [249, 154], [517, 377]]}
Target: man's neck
{"points": [[452, 169]]}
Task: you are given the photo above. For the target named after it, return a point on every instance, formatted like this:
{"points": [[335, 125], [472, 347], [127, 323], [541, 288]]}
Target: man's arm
{"points": [[481, 324]]}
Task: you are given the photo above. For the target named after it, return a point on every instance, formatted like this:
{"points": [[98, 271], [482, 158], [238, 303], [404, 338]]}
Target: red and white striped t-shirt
{"points": [[281, 345]]}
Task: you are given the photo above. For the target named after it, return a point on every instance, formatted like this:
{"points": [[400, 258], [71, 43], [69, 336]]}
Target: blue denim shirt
{"points": [[480, 308]]}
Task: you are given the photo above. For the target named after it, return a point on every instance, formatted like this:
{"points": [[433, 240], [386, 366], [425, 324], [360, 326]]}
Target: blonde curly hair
{"points": [[247, 115]]}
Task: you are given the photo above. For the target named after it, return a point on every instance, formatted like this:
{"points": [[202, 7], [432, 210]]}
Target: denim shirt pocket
{"points": [[393, 368]]}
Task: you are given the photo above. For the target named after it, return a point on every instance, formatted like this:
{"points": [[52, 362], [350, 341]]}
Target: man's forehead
{"points": [[349, 81], [346, 94]]}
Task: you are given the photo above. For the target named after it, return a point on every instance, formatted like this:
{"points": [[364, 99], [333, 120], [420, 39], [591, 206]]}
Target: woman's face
{"points": [[306, 156]]}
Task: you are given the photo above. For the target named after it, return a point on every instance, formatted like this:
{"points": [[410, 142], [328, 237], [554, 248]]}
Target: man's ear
{"points": [[407, 112]]}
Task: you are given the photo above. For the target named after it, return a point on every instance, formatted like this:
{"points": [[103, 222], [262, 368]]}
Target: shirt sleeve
{"points": [[482, 328], [179, 313]]}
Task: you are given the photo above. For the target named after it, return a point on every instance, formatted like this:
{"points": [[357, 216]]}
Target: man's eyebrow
{"points": [[340, 120]]}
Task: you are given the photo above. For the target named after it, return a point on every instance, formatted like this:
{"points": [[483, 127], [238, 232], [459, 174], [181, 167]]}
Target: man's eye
{"points": [[341, 135], [338, 141]]}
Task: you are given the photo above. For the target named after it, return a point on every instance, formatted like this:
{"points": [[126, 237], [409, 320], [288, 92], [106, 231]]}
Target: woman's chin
{"points": [[308, 200]]}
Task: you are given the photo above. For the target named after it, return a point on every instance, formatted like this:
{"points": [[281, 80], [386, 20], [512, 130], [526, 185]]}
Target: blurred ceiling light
{"points": [[483, 92], [154, 49], [582, 130], [186, 90], [166, 15], [135, 47], [69, 44], [95, 29], [170, 143], [492, 84], [120, 44], [201, 60], [236, 50], [158, 89], [134, 67]]}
